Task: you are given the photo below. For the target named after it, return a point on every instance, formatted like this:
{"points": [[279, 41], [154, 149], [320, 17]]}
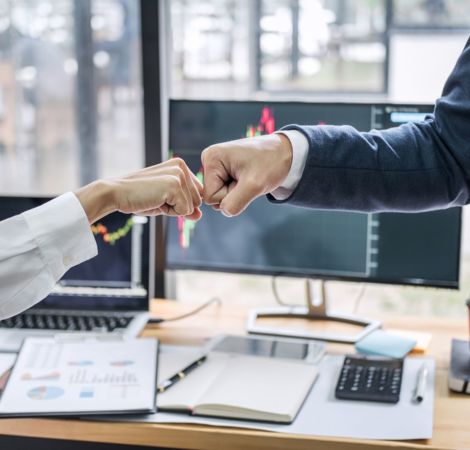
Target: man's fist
{"points": [[237, 172]]}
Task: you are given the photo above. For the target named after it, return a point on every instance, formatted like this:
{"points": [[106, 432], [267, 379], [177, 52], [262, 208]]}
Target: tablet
{"points": [[309, 351]]}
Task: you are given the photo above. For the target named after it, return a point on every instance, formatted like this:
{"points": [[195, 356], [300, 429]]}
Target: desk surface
{"points": [[451, 418]]}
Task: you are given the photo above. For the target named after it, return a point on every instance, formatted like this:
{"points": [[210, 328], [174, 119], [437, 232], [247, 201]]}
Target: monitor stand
{"points": [[315, 310]]}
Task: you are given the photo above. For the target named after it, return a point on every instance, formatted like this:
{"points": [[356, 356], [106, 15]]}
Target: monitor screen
{"points": [[116, 279], [281, 239]]}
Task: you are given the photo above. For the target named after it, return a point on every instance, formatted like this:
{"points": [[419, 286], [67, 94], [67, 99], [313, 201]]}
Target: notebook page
{"points": [[266, 385], [186, 393], [172, 361]]}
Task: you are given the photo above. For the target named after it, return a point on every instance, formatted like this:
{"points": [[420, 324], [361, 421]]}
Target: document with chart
{"points": [[82, 376]]}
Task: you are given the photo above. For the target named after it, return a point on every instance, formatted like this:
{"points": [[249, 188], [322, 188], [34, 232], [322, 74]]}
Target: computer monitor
{"points": [[118, 279], [416, 249]]}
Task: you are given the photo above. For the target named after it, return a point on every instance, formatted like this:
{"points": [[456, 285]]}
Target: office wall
{"points": [[420, 64]]}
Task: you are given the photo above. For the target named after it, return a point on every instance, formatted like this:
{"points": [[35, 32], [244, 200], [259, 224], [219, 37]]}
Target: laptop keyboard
{"points": [[69, 322]]}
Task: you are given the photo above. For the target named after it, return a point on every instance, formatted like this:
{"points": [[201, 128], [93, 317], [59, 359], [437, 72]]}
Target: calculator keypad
{"points": [[370, 379]]}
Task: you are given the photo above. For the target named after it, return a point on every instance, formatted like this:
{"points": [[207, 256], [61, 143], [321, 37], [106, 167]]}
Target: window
{"points": [[329, 45], [70, 92], [232, 48], [210, 48], [431, 14]]}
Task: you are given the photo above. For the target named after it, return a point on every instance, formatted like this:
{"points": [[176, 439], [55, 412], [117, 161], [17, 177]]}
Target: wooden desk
{"points": [[451, 422]]}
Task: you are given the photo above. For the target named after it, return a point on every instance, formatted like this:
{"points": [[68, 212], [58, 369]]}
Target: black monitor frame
{"points": [[319, 276], [154, 99]]}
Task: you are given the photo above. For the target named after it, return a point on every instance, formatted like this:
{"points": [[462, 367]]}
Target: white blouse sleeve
{"points": [[37, 248]]}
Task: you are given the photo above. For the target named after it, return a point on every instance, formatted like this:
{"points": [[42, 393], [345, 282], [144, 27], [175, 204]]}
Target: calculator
{"points": [[369, 378]]}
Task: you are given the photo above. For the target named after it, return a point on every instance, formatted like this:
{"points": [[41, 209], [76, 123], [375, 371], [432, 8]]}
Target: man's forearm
{"points": [[414, 167], [404, 170]]}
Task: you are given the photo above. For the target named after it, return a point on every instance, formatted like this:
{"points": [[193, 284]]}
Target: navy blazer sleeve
{"points": [[415, 167]]}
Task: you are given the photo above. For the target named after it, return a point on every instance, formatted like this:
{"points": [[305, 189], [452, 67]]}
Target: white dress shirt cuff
{"points": [[62, 233], [299, 145]]}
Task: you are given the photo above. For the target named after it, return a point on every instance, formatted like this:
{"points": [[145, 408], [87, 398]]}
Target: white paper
{"points": [[78, 376], [238, 385], [249, 386], [172, 359], [186, 393], [323, 415]]}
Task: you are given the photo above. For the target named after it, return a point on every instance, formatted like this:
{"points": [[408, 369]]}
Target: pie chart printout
{"points": [[45, 393]]}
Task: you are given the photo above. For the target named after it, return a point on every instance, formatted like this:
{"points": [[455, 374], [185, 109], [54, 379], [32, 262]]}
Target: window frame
{"points": [[315, 93]]}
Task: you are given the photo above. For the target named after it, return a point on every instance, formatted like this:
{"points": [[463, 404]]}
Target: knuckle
{"points": [[174, 182], [211, 152], [179, 162], [181, 175], [210, 197], [218, 197], [177, 172], [182, 210]]}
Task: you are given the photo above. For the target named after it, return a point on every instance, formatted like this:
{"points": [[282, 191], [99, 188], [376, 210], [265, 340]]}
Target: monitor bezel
{"points": [[297, 102], [446, 284]]}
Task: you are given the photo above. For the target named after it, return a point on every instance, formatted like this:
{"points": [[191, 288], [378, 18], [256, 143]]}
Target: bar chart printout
{"points": [[55, 376]]}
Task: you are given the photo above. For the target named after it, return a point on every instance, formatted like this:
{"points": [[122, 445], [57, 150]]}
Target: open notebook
{"points": [[239, 387]]}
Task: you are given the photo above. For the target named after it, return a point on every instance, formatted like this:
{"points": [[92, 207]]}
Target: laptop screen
{"points": [[116, 279]]}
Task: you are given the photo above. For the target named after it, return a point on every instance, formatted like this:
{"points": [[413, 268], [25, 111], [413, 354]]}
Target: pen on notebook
{"points": [[164, 385], [420, 388]]}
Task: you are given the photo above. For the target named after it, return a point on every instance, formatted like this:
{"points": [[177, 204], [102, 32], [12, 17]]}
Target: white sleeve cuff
{"points": [[62, 232], [299, 145]]}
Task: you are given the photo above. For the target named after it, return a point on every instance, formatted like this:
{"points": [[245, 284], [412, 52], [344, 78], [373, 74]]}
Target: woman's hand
{"points": [[168, 188]]}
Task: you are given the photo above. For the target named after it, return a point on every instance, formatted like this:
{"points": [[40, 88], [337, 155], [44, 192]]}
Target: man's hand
{"points": [[237, 172], [169, 188]]}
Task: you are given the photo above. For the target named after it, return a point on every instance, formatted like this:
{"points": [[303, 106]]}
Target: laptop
{"points": [[107, 294]]}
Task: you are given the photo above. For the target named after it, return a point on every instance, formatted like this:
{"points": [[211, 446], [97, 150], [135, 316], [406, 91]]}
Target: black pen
{"points": [[162, 387]]}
